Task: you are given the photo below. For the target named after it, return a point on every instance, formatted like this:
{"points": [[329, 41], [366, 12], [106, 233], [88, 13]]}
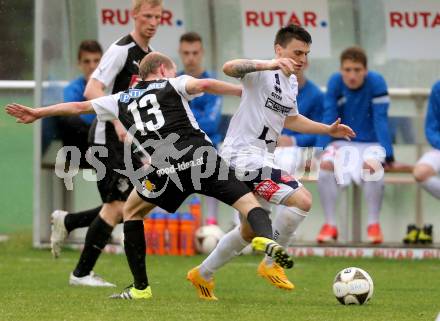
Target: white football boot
{"points": [[92, 280], [59, 232]]}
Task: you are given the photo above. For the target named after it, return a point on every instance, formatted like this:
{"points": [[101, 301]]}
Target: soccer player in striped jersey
{"points": [[360, 98], [181, 159]]}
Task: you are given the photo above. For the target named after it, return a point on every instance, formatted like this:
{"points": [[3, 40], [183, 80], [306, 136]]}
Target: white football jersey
{"points": [[268, 97]]}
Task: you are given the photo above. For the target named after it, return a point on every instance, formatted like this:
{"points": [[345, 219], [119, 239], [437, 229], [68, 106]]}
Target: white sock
{"points": [[328, 194], [229, 247], [236, 218], [373, 192], [212, 207], [286, 222], [432, 186]]}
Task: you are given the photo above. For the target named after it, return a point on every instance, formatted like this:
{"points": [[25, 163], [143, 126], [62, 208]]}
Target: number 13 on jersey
{"points": [[154, 109]]}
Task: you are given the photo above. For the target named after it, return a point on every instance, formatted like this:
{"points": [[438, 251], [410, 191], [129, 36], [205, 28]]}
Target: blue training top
{"points": [[207, 110], [432, 120], [310, 102], [74, 91], [364, 109]]}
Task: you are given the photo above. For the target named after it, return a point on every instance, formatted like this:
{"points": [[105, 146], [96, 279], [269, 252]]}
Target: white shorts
{"points": [[348, 159], [431, 158], [271, 184]]}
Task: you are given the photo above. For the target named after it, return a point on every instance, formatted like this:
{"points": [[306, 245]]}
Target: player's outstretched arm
{"points": [[212, 86], [27, 115], [302, 124], [238, 68]]}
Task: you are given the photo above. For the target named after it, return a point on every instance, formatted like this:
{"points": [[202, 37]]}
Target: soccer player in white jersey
{"points": [[268, 103]]}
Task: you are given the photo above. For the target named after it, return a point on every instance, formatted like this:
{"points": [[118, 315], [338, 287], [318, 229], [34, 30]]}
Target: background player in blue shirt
{"points": [[428, 167], [74, 130], [207, 109], [360, 98]]}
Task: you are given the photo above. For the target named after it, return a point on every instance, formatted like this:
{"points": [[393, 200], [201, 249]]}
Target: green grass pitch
{"points": [[34, 287]]}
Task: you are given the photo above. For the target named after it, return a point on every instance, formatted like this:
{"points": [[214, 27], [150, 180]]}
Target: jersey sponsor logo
{"points": [[273, 105], [266, 189], [132, 93]]}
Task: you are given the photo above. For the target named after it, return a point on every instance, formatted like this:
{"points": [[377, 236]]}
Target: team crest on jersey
{"points": [[147, 185]]}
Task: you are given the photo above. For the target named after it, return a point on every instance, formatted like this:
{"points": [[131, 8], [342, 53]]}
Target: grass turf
{"points": [[34, 287]]}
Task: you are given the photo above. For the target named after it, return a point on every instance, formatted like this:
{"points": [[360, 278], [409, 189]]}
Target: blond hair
{"points": [[152, 61], [136, 4]]}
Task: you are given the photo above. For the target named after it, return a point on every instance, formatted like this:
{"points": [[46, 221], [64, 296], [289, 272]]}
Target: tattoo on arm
{"points": [[241, 69]]}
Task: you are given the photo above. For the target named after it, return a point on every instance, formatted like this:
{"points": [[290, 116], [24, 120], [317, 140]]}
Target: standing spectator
{"points": [[207, 108], [360, 98]]}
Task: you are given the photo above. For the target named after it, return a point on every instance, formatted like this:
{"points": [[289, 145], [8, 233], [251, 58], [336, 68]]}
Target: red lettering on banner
{"points": [[251, 18], [436, 21], [167, 15], [294, 20], [425, 16], [408, 21], [281, 15], [263, 19], [414, 19], [396, 19], [122, 16], [107, 16], [309, 19], [278, 18]]}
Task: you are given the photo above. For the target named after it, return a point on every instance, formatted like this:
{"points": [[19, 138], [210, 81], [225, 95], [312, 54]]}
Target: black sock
{"points": [[260, 222], [134, 243], [96, 238], [81, 219]]}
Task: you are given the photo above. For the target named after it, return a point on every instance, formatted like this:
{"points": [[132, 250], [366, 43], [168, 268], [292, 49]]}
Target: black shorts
{"points": [[114, 186], [199, 170]]}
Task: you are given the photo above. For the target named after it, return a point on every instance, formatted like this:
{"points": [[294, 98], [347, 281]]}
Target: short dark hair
{"points": [[190, 37], [356, 54], [287, 33], [152, 61], [89, 46]]}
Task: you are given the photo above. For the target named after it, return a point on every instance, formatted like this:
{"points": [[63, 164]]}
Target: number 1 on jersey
{"points": [[151, 125]]}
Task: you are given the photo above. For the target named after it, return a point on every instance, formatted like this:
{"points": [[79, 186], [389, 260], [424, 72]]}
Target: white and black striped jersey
{"points": [[268, 97], [118, 70], [152, 110]]}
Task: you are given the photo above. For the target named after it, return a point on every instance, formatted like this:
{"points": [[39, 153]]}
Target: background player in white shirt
{"points": [[268, 103]]}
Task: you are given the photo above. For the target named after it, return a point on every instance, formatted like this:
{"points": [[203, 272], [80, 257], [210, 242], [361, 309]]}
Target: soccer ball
{"points": [[353, 286], [207, 238]]}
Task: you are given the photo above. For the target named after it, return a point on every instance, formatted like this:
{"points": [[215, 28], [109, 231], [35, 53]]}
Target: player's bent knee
{"points": [[422, 172], [327, 166], [301, 199]]}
